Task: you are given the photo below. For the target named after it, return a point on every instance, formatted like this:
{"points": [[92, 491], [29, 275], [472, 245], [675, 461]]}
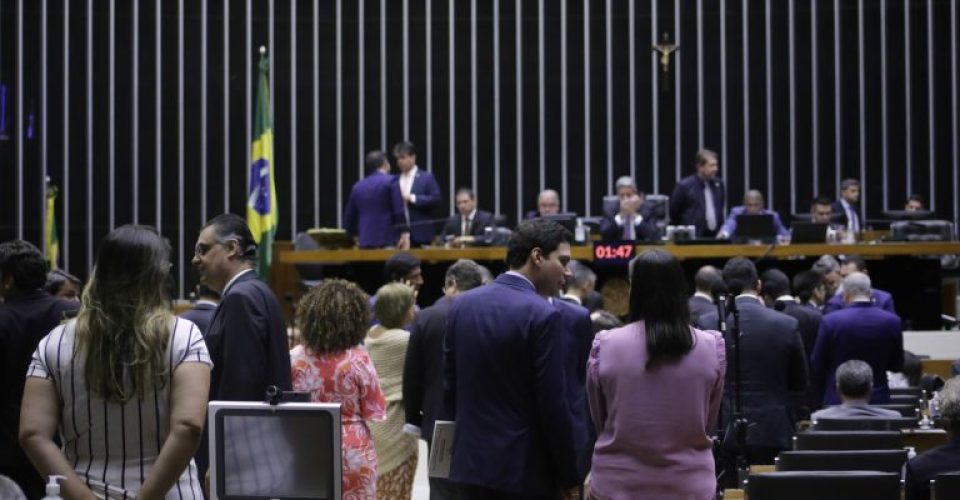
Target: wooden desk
{"points": [[586, 252], [922, 440]]}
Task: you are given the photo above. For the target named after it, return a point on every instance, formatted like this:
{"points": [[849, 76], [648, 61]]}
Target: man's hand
{"points": [[630, 205], [407, 198], [404, 242]]}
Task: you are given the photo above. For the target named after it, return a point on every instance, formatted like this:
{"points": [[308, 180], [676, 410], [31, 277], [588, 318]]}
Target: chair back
{"points": [[864, 424], [841, 460], [905, 410], [946, 486], [824, 486], [906, 391], [904, 399], [848, 440]]}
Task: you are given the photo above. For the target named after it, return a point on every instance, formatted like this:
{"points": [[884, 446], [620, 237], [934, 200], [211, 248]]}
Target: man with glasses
{"points": [[246, 338]]}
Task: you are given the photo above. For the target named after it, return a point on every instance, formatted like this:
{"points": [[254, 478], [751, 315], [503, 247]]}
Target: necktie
{"points": [[711, 212], [466, 227], [628, 228]]}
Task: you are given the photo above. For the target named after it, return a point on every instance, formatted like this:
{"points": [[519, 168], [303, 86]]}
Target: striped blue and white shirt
{"points": [[113, 446]]}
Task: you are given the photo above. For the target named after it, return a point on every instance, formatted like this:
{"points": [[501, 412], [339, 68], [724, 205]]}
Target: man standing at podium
{"points": [[698, 199]]}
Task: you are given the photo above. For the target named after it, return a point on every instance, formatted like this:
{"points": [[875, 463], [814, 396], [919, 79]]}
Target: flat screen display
{"points": [[286, 454]]}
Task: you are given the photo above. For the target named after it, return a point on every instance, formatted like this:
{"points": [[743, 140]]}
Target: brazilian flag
{"points": [[50, 238], [262, 211]]}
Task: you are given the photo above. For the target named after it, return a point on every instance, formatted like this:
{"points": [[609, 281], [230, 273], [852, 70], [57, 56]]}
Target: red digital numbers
{"points": [[605, 251]]}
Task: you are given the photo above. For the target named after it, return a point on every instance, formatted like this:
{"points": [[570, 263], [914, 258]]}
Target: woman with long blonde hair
{"points": [[125, 383]]}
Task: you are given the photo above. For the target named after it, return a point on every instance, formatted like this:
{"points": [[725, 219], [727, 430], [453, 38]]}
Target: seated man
{"points": [[855, 386], [926, 466], [915, 203], [752, 205], [468, 223], [628, 223], [548, 203], [856, 264]]}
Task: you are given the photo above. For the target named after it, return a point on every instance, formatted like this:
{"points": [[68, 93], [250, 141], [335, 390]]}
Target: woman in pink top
{"points": [[654, 388]]}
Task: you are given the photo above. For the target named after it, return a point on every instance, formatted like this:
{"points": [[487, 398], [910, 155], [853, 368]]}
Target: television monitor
{"points": [[755, 227], [808, 232], [565, 219], [283, 451]]}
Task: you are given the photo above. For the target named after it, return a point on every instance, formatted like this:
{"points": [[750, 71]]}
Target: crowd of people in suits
{"points": [[401, 210], [545, 387]]}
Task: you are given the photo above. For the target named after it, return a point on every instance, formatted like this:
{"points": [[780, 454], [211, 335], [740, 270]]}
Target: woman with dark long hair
{"points": [[125, 383], [654, 388]]}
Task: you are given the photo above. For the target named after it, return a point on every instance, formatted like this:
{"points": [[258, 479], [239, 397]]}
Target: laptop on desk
{"points": [[755, 227], [809, 232]]}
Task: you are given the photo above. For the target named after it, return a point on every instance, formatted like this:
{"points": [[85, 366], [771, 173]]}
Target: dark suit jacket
{"points": [[880, 298], [375, 211], [927, 465], [645, 231], [423, 368], [840, 215], [24, 321], [578, 339], [859, 331], [424, 211], [504, 379], [481, 219], [200, 314], [247, 341], [700, 306], [687, 204], [809, 319], [773, 370]]}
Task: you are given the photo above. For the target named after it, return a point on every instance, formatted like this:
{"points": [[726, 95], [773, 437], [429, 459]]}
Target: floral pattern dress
{"points": [[348, 378]]}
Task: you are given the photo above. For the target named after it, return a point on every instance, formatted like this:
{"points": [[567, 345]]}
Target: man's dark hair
{"points": [[228, 227], [658, 297], [703, 155], [373, 161], [465, 273], [399, 265], [917, 197], [848, 183], [544, 234], [857, 261], [57, 278], [705, 278], [855, 379], [604, 320], [805, 282], [24, 262], [821, 200], [467, 191], [740, 272], [404, 148], [774, 283]]}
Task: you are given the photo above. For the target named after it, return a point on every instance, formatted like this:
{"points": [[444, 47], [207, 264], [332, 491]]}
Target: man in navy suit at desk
{"points": [[698, 199], [375, 212], [504, 375], [420, 193]]}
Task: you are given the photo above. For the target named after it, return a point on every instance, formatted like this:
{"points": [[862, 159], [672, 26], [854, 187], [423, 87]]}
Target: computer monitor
{"points": [[755, 227], [808, 232], [286, 451], [565, 219]]}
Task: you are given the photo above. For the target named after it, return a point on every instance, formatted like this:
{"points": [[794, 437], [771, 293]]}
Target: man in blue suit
{"points": [[578, 339], [879, 298], [752, 205], [858, 331], [698, 199], [375, 212], [420, 193], [504, 375]]}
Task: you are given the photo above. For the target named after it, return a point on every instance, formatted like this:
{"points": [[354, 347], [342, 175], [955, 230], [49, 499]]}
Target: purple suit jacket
{"points": [[858, 331], [375, 211]]}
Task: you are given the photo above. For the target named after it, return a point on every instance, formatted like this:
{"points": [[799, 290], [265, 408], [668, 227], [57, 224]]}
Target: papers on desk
{"points": [[441, 449]]}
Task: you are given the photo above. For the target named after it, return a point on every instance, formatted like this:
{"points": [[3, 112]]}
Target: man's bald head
{"points": [[548, 202], [753, 202]]}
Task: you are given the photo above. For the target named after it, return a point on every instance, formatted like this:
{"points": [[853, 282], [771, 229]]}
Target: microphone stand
{"points": [[739, 422]]}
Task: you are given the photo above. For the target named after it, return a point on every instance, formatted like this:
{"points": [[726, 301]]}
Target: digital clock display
{"points": [[614, 252]]}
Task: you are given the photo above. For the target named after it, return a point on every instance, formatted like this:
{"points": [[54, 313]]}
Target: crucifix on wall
{"points": [[665, 49]]}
